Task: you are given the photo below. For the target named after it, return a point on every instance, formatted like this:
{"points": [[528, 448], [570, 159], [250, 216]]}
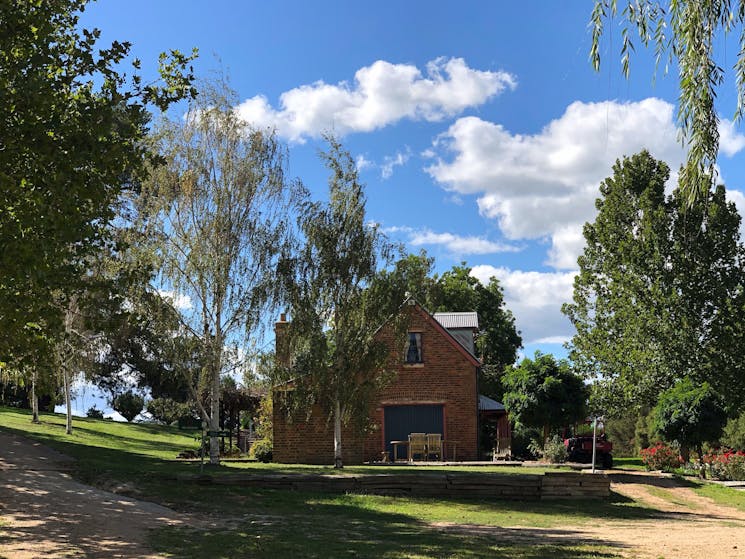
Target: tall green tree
{"points": [[219, 215], [70, 143], [337, 360], [687, 33], [544, 393], [497, 340], [411, 275], [659, 293]]}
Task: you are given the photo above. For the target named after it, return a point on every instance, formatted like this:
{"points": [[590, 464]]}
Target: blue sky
{"points": [[480, 129]]}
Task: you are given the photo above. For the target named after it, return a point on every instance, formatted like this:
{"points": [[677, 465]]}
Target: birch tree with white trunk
{"points": [[218, 216], [336, 360]]}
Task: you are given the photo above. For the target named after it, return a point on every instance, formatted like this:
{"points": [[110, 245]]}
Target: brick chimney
{"points": [[281, 349]]}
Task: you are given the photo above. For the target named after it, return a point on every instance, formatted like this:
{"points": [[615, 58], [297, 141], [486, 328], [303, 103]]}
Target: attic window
{"points": [[414, 351]]}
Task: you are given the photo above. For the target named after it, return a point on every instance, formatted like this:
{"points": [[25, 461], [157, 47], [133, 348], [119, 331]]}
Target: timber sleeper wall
{"points": [[551, 485]]}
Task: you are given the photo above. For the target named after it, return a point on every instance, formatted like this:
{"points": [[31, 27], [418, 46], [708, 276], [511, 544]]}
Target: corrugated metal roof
{"points": [[487, 404], [457, 319]]}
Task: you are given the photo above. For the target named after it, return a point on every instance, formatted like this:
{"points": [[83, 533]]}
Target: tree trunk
{"points": [[68, 403], [338, 463], [215, 417], [34, 399], [685, 453]]}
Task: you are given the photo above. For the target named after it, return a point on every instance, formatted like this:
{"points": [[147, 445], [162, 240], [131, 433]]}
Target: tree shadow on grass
{"points": [[656, 480], [342, 530]]}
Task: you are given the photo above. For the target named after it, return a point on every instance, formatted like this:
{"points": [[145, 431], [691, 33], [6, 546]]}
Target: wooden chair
{"points": [[417, 445], [434, 445]]}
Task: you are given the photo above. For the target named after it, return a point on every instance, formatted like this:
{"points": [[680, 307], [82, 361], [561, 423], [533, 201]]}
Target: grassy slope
{"points": [[267, 522]]}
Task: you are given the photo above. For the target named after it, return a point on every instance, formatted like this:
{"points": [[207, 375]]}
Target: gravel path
{"points": [[48, 514]]}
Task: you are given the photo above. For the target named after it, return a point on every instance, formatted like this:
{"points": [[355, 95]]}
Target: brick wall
{"points": [[447, 377]]}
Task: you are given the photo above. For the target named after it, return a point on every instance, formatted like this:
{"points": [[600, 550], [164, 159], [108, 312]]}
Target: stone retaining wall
{"points": [[482, 485]]}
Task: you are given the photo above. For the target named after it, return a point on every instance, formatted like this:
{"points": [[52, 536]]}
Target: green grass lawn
{"points": [[721, 494], [628, 463], [264, 523]]}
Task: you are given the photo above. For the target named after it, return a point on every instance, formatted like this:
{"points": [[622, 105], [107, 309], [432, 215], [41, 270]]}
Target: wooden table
{"points": [[395, 445]]}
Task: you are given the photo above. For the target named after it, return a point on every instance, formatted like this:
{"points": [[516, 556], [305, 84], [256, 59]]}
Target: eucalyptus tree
{"points": [[219, 217], [685, 32], [337, 360]]}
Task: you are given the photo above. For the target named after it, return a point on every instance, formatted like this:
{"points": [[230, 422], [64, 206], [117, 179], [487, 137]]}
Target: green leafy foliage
{"points": [[262, 450], [129, 404], [733, 435], [544, 393], [497, 340], [94, 413], [725, 465], [690, 415], [71, 144], [555, 452], [659, 295], [217, 222], [622, 432], [169, 411], [334, 353]]}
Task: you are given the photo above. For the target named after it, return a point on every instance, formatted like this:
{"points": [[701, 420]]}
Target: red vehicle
{"points": [[579, 447]]}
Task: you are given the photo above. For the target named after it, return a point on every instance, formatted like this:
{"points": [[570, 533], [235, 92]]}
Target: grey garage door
{"points": [[402, 420]]}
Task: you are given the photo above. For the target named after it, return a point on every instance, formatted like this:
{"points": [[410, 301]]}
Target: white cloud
{"points": [[535, 298], [116, 416], [545, 185], [567, 243], [362, 163], [730, 141], [381, 94], [181, 302], [392, 161], [456, 244]]}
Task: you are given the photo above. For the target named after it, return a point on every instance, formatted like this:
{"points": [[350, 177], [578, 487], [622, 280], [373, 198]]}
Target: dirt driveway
{"points": [[47, 514], [684, 526], [689, 526]]}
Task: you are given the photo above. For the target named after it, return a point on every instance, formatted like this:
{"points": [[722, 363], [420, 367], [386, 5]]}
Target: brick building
{"points": [[435, 390]]}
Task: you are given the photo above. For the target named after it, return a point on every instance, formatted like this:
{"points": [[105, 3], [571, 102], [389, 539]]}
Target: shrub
{"points": [[661, 456], [726, 465], [94, 413], [129, 404], [555, 452], [262, 450]]}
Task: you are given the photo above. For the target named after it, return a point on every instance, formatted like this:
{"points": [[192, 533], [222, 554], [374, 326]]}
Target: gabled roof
{"points": [[444, 331], [458, 319]]}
